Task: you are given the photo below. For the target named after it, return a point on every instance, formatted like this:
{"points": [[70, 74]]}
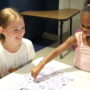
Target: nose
{"points": [[84, 29]]}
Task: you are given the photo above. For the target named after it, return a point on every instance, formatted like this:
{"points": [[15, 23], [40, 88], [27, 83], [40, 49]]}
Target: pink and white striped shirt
{"points": [[82, 54]]}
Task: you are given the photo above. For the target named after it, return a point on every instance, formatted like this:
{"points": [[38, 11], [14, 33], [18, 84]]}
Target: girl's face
{"points": [[85, 23], [15, 31]]}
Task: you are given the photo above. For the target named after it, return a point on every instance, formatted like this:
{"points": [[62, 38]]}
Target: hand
{"points": [[35, 71]]}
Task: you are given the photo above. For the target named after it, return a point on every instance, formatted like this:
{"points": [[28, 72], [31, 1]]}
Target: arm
{"points": [[53, 54]]}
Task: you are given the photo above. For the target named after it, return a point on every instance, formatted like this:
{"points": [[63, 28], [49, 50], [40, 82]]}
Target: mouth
{"points": [[88, 37], [87, 33], [19, 38]]}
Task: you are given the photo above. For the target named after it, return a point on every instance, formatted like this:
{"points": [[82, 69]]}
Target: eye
{"points": [[15, 29], [23, 27], [88, 27], [83, 26]]}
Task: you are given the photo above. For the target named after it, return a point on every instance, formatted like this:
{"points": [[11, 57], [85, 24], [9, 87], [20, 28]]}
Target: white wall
{"points": [[64, 4], [78, 4]]}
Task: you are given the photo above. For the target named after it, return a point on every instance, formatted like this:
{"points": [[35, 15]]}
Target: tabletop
{"points": [[61, 14], [54, 76]]}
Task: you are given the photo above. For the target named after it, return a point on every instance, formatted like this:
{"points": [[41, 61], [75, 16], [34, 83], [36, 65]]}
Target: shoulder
{"points": [[29, 48], [1, 47], [2, 52], [27, 41], [71, 39], [78, 34], [28, 44]]}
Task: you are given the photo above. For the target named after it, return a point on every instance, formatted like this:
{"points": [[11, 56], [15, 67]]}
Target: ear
{"points": [[1, 29]]}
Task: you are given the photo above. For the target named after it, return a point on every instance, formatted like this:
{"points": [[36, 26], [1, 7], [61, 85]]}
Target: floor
{"points": [[68, 59]]}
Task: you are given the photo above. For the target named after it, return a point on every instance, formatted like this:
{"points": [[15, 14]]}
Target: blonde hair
{"points": [[7, 16]]}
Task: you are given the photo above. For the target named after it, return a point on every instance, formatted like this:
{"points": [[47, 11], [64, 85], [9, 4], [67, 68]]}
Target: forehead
{"points": [[16, 23], [85, 17]]}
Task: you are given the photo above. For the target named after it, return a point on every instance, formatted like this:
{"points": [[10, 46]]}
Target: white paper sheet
{"points": [[48, 79]]}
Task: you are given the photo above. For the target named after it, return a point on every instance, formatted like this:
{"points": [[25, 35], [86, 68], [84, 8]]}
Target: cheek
{"points": [[24, 31], [81, 28], [84, 29]]}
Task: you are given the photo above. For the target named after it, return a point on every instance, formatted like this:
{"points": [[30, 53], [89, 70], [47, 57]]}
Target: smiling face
{"points": [[15, 31], [85, 23]]}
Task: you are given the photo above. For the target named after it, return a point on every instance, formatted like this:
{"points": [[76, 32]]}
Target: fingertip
{"points": [[35, 76]]}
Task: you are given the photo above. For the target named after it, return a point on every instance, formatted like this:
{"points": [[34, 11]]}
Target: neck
{"points": [[11, 47]]}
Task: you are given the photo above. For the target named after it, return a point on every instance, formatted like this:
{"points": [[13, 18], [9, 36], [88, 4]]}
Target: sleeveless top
{"points": [[82, 54]]}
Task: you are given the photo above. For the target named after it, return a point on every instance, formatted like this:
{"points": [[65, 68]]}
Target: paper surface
{"points": [[54, 76], [51, 77], [48, 79]]}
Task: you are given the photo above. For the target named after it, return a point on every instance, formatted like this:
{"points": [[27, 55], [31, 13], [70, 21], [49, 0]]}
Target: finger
{"points": [[33, 74]]}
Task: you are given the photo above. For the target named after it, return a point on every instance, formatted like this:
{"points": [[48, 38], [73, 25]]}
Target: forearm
{"points": [[54, 53], [58, 50]]}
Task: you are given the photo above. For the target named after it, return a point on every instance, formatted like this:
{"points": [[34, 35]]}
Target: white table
{"points": [[52, 76]]}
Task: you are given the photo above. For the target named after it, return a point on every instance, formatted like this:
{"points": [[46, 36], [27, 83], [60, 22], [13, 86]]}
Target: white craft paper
{"points": [[51, 77], [48, 79]]}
